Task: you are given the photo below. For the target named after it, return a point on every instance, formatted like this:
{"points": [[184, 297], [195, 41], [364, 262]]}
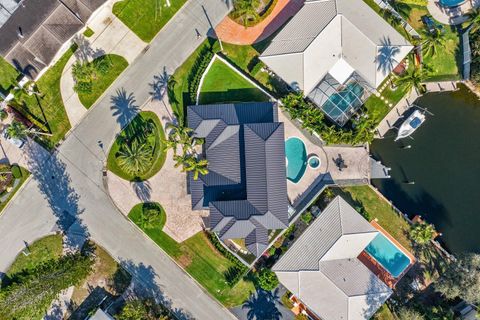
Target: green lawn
{"points": [[377, 108], [47, 248], [199, 258], [104, 80], [48, 110], [376, 207], [146, 17], [25, 175], [136, 130], [222, 84], [8, 74], [384, 313], [446, 64]]}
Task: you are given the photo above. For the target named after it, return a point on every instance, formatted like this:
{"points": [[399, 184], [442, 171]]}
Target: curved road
{"points": [[68, 186]]}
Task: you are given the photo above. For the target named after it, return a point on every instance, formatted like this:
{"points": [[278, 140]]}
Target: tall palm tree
{"points": [[247, 9], [474, 16], [17, 130], [432, 43], [135, 158], [412, 79], [196, 166], [422, 233]]}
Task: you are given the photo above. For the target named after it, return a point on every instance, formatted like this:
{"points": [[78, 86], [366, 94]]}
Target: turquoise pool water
{"points": [[343, 101], [451, 3], [296, 155], [388, 255]]}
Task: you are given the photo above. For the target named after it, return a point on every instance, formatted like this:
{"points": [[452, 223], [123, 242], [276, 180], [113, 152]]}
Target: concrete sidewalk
{"points": [[111, 36]]}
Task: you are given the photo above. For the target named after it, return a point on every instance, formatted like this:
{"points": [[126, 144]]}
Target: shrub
{"points": [[267, 279], [307, 217], [16, 172], [146, 309], [3, 114], [88, 32], [287, 303]]}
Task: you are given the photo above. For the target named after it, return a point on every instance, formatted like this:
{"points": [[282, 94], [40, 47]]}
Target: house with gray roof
{"points": [[322, 270], [33, 31], [337, 52], [246, 187]]}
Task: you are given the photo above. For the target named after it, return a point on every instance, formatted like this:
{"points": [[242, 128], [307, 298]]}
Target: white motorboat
{"points": [[411, 124]]}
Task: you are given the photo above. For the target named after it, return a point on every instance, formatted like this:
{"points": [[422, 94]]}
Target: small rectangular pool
{"points": [[388, 255]]}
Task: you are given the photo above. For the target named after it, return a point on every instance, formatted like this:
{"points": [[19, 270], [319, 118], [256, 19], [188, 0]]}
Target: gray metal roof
{"points": [[35, 30], [321, 268], [246, 188], [325, 31]]}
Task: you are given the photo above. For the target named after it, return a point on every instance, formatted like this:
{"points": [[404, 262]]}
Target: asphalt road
{"points": [[68, 186]]}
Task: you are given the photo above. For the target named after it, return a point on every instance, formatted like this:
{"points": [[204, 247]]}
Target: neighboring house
{"points": [[33, 31], [246, 187], [322, 269], [337, 52]]}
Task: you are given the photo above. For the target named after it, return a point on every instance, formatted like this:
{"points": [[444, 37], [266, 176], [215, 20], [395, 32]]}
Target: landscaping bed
{"points": [[146, 17], [262, 8], [16, 177], [222, 84], [198, 256], [112, 66], [145, 129]]}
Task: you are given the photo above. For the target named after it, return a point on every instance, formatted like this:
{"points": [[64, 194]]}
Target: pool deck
{"points": [[380, 271]]}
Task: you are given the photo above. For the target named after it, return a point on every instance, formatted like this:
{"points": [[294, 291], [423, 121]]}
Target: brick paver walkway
{"points": [[232, 32]]}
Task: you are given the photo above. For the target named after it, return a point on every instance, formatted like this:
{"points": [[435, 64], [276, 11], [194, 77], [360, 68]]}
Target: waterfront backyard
{"points": [[442, 162]]}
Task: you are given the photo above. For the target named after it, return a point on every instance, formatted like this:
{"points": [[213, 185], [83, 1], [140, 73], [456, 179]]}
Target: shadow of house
{"points": [[37, 30]]}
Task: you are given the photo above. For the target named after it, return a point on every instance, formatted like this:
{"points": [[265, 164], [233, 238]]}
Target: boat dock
{"points": [[397, 112]]}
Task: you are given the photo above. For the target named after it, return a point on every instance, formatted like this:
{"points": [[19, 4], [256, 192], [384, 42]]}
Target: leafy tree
{"points": [[409, 314], [17, 130], [422, 233], [31, 292], [145, 309], [462, 279], [267, 279], [134, 158], [412, 79], [432, 43]]}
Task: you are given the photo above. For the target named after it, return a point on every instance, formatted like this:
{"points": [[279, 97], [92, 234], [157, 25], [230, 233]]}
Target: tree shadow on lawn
{"points": [[54, 184], [149, 288]]}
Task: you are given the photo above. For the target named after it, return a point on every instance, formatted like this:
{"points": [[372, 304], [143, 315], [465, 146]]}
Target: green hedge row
{"points": [[196, 73]]}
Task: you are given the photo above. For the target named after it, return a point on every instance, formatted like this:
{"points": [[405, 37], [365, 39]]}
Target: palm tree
{"points": [[196, 166], [17, 130], [432, 43], [135, 158], [474, 16], [247, 9], [422, 233], [412, 79], [148, 217]]}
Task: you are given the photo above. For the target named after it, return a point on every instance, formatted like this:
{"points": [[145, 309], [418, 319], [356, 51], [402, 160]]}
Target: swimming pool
{"points": [[388, 255], [451, 3], [296, 155], [340, 105]]}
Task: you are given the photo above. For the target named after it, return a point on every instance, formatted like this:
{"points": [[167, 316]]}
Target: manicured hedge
{"points": [[197, 71]]}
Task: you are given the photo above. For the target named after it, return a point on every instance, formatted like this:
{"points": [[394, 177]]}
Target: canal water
{"points": [[444, 164]]}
